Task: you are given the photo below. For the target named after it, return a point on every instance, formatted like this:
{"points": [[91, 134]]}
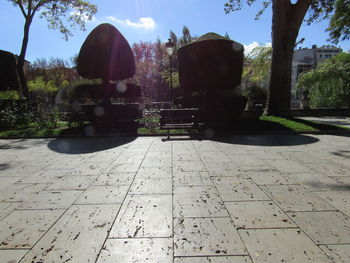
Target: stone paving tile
{"points": [[47, 176], [206, 237], [329, 169], [7, 208], [101, 194], [247, 160], [21, 170], [301, 157], [345, 180], [224, 169], [93, 169], [219, 259], [12, 256], [6, 182], [238, 189], [230, 149], [266, 177], [338, 199], [186, 157], [267, 155], [77, 236], [258, 214], [289, 166], [214, 157], [152, 186], [72, 182], [144, 216], [191, 178], [156, 162], [23, 228], [198, 201], [296, 198], [50, 200], [64, 164], [124, 168], [115, 179], [338, 253], [324, 227], [137, 250], [315, 181], [154, 172], [188, 166], [281, 245], [130, 158], [20, 192]]}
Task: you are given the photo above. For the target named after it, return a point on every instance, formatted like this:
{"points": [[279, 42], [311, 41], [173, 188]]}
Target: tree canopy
{"points": [[257, 66], [339, 27], [319, 9], [329, 82], [77, 13], [287, 18]]}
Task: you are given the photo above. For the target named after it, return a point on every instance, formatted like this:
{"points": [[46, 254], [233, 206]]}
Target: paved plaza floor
{"points": [[239, 199]]}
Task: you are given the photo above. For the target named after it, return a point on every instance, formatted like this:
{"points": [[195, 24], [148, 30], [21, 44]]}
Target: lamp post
{"points": [[170, 50]]}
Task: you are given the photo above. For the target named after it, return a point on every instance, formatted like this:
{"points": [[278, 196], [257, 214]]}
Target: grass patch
{"points": [[31, 132], [262, 124], [292, 124]]}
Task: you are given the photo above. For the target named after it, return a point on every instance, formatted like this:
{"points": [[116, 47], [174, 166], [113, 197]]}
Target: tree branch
{"points": [[20, 4]]}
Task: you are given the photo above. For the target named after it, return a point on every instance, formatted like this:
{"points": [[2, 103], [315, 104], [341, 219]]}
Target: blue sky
{"points": [[145, 20]]}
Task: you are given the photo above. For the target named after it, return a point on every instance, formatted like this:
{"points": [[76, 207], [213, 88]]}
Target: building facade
{"points": [[305, 59]]}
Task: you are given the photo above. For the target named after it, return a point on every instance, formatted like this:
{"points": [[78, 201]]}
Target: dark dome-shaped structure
{"points": [[106, 55], [212, 62]]}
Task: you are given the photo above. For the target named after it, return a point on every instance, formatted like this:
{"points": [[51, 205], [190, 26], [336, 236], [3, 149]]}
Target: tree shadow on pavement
{"points": [[267, 140], [87, 145]]}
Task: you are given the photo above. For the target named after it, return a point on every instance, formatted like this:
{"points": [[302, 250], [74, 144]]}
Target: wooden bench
{"points": [[179, 119]]}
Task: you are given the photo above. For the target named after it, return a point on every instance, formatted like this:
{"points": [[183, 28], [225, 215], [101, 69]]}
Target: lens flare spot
{"points": [[99, 111], [121, 87], [89, 131]]}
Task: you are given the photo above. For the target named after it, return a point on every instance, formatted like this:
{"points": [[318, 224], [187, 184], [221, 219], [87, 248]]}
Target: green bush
{"points": [[14, 113]]}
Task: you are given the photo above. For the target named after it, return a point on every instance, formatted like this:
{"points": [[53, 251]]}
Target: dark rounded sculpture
{"points": [[210, 70], [106, 55], [210, 63], [106, 58], [8, 71]]}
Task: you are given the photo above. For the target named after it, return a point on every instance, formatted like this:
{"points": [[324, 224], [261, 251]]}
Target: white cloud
{"points": [[144, 22], [248, 48]]}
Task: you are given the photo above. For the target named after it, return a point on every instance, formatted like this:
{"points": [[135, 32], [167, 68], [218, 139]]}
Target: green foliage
{"points": [[257, 65], [329, 83], [15, 112], [318, 10], [77, 12], [39, 85], [339, 26], [9, 95], [174, 78]]}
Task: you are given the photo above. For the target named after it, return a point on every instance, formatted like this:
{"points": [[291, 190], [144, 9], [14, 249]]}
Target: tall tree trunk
{"points": [[286, 21], [21, 58]]}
